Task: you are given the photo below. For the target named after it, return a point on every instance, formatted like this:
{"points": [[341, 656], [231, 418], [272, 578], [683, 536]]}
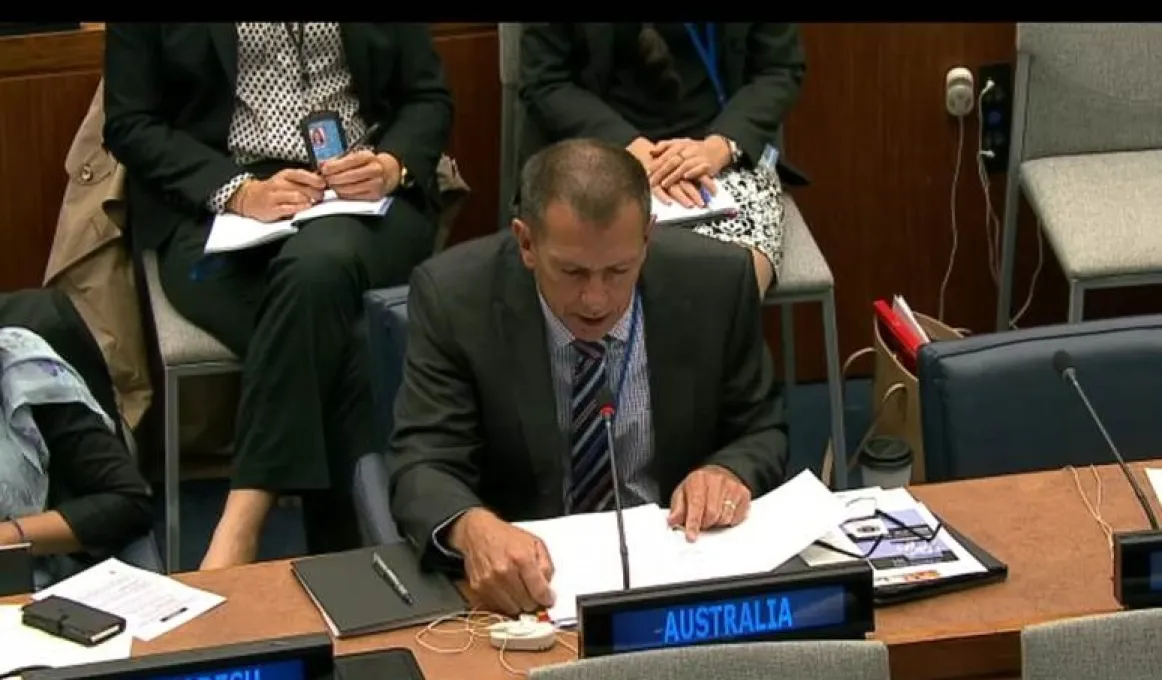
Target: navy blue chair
{"points": [[385, 311], [993, 404]]}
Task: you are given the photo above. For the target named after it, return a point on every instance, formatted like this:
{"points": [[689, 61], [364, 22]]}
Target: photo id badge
{"points": [[323, 135], [770, 159]]}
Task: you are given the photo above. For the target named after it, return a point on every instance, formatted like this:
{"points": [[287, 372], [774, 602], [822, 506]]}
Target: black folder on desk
{"points": [[995, 572], [355, 600]]}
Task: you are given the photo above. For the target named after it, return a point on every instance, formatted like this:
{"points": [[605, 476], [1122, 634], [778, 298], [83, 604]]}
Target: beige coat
{"points": [[91, 264]]}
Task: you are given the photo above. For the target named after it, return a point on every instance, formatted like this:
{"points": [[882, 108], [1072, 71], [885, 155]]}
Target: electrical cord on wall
{"points": [[955, 231], [992, 222]]}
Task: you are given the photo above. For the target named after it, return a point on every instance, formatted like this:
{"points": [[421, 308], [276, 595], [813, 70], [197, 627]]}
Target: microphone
{"points": [[1063, 365], [607, 411]]}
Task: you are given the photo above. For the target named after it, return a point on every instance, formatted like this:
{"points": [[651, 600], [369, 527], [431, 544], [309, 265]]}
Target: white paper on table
{"points": [[587, 558], [22, 646], [1154, 476], [586, 554], [151, 604]]}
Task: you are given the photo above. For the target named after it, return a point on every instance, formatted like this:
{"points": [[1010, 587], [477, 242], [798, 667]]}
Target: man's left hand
{"points": [[362, 175], [689, 159], [709, 497]]}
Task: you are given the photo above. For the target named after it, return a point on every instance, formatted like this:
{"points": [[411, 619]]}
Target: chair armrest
{"points": [[371, 501]]}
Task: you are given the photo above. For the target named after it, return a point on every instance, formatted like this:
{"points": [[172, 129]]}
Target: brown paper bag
{"points": [[896, 399]]}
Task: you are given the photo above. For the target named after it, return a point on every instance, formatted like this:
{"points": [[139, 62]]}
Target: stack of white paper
{"points": [[151, 604], [587, 559], [231, 232]]}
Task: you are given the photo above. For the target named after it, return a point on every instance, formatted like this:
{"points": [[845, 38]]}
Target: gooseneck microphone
{"points": [[1063, 365], [605, 399]]}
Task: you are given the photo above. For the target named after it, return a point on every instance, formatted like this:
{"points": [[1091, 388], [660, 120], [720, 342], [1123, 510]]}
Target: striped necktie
{"points": [[591, 488]]}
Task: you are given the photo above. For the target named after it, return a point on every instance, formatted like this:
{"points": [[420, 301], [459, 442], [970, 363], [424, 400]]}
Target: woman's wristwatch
{"points": [[735, 152]]}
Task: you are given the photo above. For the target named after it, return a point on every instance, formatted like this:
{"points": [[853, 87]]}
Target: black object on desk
{"points": [[297, 657], [73, 621], [355, 599], [16, 569]]}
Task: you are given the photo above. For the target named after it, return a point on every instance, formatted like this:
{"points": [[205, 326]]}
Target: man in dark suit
{"points": [[207, 119], [515, 345]]}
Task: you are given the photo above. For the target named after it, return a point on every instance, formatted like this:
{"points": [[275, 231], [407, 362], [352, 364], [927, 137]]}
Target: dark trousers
{"points": [[292, 311]]}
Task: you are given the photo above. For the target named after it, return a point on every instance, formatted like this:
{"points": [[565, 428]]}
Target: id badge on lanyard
{"points": [[707, 48], [322, 130]]}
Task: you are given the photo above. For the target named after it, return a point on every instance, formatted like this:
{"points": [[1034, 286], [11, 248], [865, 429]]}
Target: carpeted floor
{"points": [[202, 499]]}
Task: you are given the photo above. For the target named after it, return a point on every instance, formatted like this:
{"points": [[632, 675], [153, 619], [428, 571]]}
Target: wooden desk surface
{"points": [[1059, 566]]}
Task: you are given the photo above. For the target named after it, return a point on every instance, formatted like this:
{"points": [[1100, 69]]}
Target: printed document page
{"points": [[587, 558], [151, 604], [22, 646]]}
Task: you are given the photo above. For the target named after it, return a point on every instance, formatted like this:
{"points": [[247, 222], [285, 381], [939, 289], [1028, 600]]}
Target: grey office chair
{"points": [[1086, 149], [853, 660], [1126, 646], [185, 351], [805, 275]]}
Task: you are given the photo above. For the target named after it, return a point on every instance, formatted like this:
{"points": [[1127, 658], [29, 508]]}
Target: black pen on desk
{"points": [[388, 575], [363, 139], [173, 615]]}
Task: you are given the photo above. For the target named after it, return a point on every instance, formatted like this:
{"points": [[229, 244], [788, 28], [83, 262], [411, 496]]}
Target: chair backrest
{"points": [[1125, 645], [994, 404], [1087, 88], [511, 118], [832, 660], [386, 315]]}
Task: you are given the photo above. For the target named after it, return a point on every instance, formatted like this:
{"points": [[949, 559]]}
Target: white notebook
{"points": [[721, 204], [231, 232]]}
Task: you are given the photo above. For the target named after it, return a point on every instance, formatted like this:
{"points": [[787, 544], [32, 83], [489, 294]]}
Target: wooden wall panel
{"points": [[46, 84], [872, 133]]}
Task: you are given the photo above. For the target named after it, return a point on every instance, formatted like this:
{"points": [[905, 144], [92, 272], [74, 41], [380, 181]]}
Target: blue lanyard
{"points": [[708, 53], [629, 347]]}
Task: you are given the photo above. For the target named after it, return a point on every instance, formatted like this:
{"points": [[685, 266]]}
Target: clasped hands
{"points": [[359, 175], [510, 569], [679, 169]]}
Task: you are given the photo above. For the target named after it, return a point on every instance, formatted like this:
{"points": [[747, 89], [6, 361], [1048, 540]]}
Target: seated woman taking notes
{"points": [[697, 103]]}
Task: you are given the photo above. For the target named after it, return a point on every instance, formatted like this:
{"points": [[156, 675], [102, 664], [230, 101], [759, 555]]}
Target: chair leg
{"points": [[788, 333], [172, 455], [835, 388], [1076, 301]]}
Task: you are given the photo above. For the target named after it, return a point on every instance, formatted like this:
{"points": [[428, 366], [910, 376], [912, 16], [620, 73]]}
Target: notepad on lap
{"points": [[721, 204], [231, 232]]}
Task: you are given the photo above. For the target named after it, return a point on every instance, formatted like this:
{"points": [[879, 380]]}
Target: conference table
{"points": [[1059, 561]]}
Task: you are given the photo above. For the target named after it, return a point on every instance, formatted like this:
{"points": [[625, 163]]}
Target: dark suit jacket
{"points": [[169, 100], [565, 69], [475, 418]]}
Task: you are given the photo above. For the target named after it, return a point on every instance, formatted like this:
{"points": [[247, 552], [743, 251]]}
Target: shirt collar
{"points": [[560, 335]]}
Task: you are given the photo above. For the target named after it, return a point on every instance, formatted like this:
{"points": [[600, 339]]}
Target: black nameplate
{"points": [[827, 603], [1138, 569], [302, 657]]}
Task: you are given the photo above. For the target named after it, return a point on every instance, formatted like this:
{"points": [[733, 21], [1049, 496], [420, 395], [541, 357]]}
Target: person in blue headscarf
{"points": [[68, 482]]}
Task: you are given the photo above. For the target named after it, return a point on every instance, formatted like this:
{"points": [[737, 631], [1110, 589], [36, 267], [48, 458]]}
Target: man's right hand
{"points": [[508, 568], [287, 192]]}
